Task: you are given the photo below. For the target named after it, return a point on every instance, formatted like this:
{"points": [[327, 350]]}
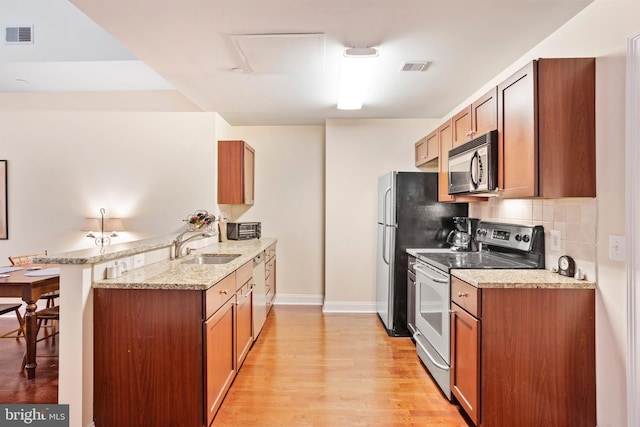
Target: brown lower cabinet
{"points": [[167, 357], [523, 357]]}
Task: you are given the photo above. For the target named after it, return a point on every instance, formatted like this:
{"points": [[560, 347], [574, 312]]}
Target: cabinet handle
{"points": [[224, 291], [468, 133], [462, 294], [423, 157]]}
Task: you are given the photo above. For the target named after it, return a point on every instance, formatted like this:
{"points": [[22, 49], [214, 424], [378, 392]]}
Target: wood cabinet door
{"points": [[427, 148], [518, 134], [236, 165], [484, 113], [220, 356], [567, 129], [421, 152], [244, 330], [461, 130], [445, 137], [465, 361], [249, 174]]}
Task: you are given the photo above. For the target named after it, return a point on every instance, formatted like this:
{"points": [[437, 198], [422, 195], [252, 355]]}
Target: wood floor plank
{"points": [[313, 369], [14, 385]]}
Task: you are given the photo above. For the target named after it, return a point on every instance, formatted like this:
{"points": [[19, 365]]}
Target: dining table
{"points": [[29, 282]]}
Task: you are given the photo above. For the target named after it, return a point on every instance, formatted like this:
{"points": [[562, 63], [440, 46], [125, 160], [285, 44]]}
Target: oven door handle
{"points": [[425, 272], [431, 358]]}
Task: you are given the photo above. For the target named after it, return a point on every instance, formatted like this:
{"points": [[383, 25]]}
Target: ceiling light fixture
{"points": [[355, 76]]}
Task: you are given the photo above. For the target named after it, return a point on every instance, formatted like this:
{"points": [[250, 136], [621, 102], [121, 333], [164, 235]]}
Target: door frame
{"points": [[633, 228]]}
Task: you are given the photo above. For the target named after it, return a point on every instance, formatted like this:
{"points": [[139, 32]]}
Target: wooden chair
{"points": [[49, 297], [8, 308], [46, 314]]}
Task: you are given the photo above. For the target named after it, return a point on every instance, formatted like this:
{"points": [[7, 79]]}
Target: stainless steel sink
{"points": [[212, 259]]}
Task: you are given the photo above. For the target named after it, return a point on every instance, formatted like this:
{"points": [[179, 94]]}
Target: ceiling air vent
{"points": [[414, 66], [18, 35]]}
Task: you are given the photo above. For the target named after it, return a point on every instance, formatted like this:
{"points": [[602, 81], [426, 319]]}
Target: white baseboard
{"points": [[298, 299], [327, 306], [348, 307]]}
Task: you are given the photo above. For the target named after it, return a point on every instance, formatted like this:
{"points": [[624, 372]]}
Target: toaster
{"points": [[243, 230]]}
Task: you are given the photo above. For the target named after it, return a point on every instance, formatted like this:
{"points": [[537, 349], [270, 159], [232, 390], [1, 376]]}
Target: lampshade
{"points": [[355, 76], [101, 226], [113, 224], [91, 224]]}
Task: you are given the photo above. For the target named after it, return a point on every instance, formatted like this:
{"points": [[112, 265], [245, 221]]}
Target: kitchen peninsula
{"points": [[140, 342]]}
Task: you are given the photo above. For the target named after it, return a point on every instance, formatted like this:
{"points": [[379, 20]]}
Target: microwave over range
{"points": [[473, 166]]}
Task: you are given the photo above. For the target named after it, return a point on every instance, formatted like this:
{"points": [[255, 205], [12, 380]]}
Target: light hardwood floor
{"points": [[313, 369]]}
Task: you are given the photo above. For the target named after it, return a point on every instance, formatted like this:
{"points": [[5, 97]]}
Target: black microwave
{"points": [[473, 166], [243, 230]]}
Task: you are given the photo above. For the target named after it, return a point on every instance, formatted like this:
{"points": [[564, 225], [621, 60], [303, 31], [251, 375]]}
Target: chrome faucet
{"points": [[179, 242]]}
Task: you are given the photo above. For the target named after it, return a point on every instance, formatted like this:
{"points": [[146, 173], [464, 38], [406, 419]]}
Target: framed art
{"points": [[4, 204]]}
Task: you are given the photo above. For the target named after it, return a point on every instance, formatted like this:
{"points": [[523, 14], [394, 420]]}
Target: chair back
{"points": [[24, 259]]}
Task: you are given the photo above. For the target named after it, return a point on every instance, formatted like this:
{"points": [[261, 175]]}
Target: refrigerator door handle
{"points": [[384, 225]]}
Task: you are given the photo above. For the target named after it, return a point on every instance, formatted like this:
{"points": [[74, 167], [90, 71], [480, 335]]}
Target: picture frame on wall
{"points": [[4, 204]]}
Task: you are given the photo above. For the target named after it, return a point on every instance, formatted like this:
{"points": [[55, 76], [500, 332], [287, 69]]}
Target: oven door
{"points": [[433, 323]]}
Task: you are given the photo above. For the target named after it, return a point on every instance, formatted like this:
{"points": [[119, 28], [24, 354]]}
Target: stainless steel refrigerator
{"points": [[409, 216]]}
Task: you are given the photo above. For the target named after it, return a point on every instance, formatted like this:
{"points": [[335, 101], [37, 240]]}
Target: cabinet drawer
{"points": [[244, 274], [466, 296], [219, 293]]}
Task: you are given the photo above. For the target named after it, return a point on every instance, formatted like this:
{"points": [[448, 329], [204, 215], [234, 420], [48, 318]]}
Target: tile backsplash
{"points": [[574, 218]]}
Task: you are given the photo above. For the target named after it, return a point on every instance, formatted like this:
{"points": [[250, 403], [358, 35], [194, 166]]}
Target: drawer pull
{"points": [[462, 294], [224, 291]]}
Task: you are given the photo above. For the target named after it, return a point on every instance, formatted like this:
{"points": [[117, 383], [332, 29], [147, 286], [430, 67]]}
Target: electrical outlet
{"points": [[617, 248], [556, 238], [138, 260]]}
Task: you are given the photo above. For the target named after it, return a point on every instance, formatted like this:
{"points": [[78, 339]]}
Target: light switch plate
{"points": [[617, 248]]}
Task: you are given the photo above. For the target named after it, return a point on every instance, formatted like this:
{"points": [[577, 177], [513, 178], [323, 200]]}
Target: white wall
{"points": [[357, 153], [152, 169], [289, 202]]}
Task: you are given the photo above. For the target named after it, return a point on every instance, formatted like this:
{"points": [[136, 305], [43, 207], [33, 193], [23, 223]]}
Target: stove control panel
{"points": [[512, 236]]}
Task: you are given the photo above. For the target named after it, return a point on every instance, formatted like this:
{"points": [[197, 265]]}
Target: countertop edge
{"points": [[520, 279], [176, 275]]}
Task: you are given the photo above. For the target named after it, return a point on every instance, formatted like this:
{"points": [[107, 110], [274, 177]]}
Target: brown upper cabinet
{"points": [[546, 130], [236, 163], [475, 119], [445, 139], [427, 149]]}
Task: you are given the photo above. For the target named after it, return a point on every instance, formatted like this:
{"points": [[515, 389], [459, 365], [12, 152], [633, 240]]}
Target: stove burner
{"points": [[448, 260], [503, 246]]}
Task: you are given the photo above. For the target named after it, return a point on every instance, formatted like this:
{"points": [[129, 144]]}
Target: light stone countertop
{"points": [[522, 279], [175, 274], [96, 255]]}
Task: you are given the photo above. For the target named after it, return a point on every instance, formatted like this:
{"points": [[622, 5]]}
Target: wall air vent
{"points": [[18, 35], [414, 66]]}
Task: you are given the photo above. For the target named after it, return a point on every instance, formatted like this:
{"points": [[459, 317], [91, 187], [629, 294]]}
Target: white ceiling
{"points": [[190, 45]]}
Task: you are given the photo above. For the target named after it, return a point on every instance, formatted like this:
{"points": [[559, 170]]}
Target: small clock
{"points": [[566, 266]]}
